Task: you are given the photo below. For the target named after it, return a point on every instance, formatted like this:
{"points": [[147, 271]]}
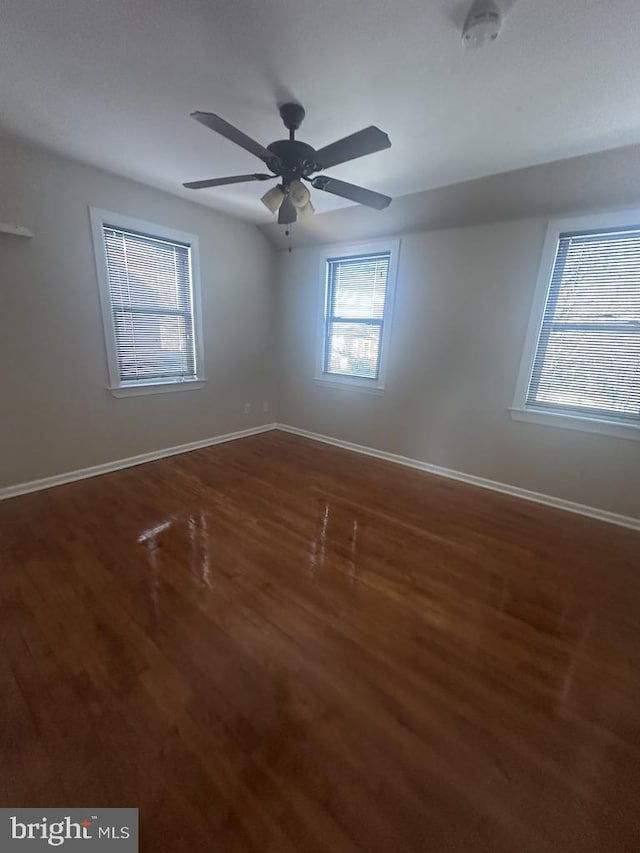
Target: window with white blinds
{"points": [[584, 361], [356, 296], [149, 301]]}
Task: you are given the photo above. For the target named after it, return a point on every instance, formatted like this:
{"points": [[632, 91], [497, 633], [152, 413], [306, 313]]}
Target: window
{"points": [[356, 313], [148, 287], [583, 365]]}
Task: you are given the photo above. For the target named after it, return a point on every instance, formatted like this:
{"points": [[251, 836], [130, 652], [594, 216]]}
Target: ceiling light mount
{"points": [[292, 115], [482, 24]]}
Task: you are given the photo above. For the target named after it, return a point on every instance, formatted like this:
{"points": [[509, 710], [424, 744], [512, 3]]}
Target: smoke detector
{"points": [[482, 24]]}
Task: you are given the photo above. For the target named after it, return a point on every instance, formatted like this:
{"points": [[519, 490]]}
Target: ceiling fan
{"points": [[294, 161]]}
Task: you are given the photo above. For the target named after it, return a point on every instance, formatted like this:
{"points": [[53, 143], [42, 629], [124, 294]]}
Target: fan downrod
{"points": [[292, 115]]}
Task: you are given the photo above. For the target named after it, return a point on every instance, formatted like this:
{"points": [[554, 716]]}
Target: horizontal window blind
{"points": [[588, 354], [356, 295], [152, 306]]}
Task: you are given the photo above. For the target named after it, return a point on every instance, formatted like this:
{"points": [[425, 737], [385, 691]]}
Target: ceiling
{"points": [[112, 83]]}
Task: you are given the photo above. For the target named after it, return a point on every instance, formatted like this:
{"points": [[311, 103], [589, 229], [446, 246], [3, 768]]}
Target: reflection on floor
{"points": [[274, 645]]}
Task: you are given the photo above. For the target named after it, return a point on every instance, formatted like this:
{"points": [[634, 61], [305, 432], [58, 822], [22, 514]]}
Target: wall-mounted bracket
{"points": [[16, 230]]}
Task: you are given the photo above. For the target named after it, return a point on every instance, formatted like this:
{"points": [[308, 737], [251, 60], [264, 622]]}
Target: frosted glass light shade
{"points": [[272, 199], [298, 194], [307, 210]]}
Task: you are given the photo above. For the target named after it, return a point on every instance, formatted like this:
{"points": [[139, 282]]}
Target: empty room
{"points": [[320, 426]]}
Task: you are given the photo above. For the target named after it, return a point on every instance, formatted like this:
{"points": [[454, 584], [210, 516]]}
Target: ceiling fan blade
{"points": [[220, 182], [363, 142], [351, 191], [214, 122], [287, 213]]}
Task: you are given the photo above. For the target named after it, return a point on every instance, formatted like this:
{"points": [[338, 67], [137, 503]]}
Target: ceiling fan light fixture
{"points": [[273, 198], [482, 25], [291, 161]]}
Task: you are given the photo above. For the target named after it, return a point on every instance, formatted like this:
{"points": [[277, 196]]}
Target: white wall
{"points": [[462, 307], [461, 311], [56, 414]]}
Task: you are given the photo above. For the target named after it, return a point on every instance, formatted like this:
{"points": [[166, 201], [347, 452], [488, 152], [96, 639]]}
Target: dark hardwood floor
{"points": [[274, 645]]}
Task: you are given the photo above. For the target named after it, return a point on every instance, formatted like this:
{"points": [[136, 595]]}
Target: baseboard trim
{"points": [[471, 479], [129, 462]]}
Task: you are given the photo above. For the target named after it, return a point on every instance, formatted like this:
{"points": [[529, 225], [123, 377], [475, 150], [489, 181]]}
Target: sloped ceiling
{"points": [[113, 83], [593, 182]]}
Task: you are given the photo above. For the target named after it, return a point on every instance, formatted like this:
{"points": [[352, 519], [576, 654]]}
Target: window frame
{"points": [[354, 250], [521, 410], [99, 218]]}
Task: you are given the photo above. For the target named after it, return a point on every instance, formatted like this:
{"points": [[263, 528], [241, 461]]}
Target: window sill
{"points": [[349, 383], [584, 424], [157, 387]]}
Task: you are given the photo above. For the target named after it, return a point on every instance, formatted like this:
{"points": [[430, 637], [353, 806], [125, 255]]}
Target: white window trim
{"points": [[520, 411], [357, 383], [100, 218]]}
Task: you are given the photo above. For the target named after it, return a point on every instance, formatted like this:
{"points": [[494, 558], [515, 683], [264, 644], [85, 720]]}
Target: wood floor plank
{"points": [[276, 645]]}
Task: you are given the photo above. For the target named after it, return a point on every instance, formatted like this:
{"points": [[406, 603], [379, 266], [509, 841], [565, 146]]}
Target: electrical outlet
{"points": [[265, 407], [247, 408]]}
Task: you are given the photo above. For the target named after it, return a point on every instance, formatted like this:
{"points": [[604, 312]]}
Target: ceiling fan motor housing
{"points": [[296, 160], [293, 160]]}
